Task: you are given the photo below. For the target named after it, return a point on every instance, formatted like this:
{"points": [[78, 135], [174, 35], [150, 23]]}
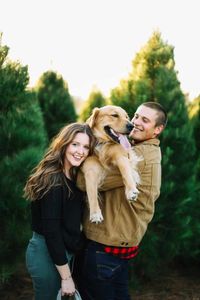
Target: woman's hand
{"points": [[67, 287], [67, 283]]}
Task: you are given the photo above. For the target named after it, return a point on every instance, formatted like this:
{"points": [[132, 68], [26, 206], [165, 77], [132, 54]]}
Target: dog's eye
{"points": [[115, 115]]}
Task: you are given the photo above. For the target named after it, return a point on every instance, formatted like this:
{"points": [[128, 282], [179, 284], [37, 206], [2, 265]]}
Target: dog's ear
{"points": [[91, 120]]}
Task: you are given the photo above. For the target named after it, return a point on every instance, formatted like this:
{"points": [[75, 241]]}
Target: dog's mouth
{"points": [[117, 137]]}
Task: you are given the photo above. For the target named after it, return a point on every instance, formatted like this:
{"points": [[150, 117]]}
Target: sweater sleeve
{"points": [[51, 210]]}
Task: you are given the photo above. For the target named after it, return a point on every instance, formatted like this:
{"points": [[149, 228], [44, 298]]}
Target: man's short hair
{"points": [[162, 114]]}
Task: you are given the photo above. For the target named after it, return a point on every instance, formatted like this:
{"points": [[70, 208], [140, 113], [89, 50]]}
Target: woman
{"points": [[56, 209]]}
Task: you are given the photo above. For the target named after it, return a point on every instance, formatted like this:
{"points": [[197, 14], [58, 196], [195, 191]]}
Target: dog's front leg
{"points": [[127, 172], [92, 170]]}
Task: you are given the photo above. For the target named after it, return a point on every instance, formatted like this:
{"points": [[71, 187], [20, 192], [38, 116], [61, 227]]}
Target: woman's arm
{"points": [[51, 208], [67, 283], [64, 271], [51, 218]]}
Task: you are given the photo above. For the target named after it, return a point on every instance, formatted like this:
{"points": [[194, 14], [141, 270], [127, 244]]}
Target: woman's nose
{"points": [[80, 150]]}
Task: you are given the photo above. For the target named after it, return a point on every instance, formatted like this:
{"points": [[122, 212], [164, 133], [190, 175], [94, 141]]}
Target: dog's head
{"points": [[109, 123]]}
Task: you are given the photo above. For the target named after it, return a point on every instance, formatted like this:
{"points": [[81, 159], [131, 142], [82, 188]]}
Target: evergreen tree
{"points": [[154, 78], [194, 112], [172, 220], [124, 96], [131, 92], [22, 141], [192, 244], [96, 99], [56, 103]]}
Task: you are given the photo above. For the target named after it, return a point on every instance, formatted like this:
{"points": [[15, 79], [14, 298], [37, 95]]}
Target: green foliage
{"points": [[124, 96], [172, 219], [95, 99], [56, 103], [191, 242], [194, 112], [22, 142]]}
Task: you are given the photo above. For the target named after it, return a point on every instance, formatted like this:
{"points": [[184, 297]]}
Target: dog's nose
{"points": [[129, 126]]}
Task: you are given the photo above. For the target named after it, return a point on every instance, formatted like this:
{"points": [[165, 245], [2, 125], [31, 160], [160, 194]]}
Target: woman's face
{"points": [[77, 151]]}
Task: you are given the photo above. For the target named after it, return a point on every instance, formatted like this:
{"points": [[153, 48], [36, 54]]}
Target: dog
{"points": [[110, 125]]}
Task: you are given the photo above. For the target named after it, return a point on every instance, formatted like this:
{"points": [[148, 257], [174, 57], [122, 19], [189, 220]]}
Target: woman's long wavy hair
{"points": [[49, 172]]}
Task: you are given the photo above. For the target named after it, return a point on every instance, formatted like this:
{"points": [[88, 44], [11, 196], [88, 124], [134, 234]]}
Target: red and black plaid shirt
{"points": [[122, 252]]}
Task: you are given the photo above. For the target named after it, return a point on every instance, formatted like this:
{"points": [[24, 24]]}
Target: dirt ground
{"points": [[176, 286]]}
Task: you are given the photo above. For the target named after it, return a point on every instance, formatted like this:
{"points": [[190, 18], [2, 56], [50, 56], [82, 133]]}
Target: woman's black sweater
{"points": [[57, 216]]}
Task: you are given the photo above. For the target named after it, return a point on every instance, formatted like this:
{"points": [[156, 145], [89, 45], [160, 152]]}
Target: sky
{"points": [[92, 43]]}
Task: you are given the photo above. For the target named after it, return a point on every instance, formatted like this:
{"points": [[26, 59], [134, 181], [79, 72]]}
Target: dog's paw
{"points": [[132, 195], [96, 217]]}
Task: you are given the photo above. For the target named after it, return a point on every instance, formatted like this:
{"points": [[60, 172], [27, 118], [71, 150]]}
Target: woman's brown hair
{"points": [[49, 171]]}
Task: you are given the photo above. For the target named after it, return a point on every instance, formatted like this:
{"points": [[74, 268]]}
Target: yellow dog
{"points": [[110, 125]]}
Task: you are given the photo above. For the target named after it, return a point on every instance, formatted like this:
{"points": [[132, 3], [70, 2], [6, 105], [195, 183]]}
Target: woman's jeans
{"points": [[45, 277], [104, 276]]}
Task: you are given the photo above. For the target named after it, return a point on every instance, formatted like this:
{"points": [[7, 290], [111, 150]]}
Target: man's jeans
{"points": [[104, 276]]}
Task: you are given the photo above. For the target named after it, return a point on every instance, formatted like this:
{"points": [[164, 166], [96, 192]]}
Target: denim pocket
{"points": [[107, 265]]}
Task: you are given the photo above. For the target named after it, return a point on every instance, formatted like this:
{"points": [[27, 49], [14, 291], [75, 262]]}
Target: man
{"points": [[114, 241]]}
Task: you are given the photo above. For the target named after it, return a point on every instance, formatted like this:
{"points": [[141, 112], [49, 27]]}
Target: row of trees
{"points": [[30, 118]]}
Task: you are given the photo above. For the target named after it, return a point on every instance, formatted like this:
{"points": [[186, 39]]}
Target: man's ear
{"points": [[158, 129], [91, 120]]}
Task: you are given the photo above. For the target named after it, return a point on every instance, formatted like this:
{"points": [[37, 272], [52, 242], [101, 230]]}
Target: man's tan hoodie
{"points": [[125, 222]]}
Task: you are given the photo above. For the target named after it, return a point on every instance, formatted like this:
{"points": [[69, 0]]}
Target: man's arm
{"points": [[111, 181]]}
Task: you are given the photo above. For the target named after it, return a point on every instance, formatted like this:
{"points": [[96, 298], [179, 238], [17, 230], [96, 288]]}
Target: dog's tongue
{"points": [[124, 141]]}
